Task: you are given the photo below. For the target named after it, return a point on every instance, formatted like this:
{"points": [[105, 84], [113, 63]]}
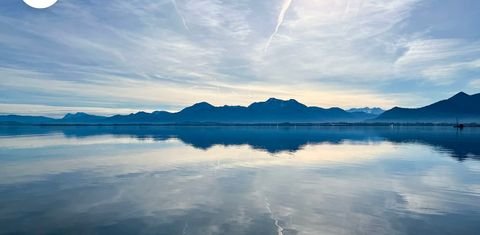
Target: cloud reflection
{"points": [[122, 184]]}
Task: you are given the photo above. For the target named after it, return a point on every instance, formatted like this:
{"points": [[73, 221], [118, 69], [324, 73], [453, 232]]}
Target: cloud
{"points": [[475, 84], [137, 55], [439, 60], [325, 42], [446, 73]]}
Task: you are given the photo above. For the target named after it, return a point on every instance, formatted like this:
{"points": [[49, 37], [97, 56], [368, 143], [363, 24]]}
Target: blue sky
{"points": [[122, 56]]}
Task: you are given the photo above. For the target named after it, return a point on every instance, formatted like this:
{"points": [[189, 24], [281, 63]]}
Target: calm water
{"points": [[160, 180]]}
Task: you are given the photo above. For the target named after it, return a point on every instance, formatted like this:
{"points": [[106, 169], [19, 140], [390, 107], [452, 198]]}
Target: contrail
{"points": [[280, 19], [174, 2]]}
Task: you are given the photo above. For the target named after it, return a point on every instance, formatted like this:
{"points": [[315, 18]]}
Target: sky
{"points": [[119, 56]]}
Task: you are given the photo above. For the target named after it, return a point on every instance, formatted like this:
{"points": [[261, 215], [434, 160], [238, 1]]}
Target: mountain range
{"points": [[461, 106], [374, 111]]}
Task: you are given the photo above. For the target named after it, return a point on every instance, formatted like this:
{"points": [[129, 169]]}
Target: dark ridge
{"points": [[461, 106]]}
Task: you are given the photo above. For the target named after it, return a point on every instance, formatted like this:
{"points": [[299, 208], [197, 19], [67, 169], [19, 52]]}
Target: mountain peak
{"points": [[374, 110], [460, 95], [461, 106], [81, 116], [278, 103], [274, 100], [202, 105], [75, 115], [198, 107]]}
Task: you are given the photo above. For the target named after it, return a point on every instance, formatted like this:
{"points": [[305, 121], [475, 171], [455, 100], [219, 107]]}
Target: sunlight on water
{"points": [[239, 180]]}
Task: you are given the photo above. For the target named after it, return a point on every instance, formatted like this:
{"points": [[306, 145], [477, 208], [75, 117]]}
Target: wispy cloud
{"points": [[439, 60], [136, 54], [475, 84]]}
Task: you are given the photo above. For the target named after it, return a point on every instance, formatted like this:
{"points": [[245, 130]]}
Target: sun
{"points": [[40, 4]]}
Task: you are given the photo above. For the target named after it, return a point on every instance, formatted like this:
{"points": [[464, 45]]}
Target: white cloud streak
{"points": [[281, 17]]}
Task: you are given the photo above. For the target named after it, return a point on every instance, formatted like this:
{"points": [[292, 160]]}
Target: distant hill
{"points": [[374, 111], [462, 106], [269, 111], [26, 119], [82, 118]]}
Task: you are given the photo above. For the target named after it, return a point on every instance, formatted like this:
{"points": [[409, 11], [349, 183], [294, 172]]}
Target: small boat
{"points": [[459, 125]]}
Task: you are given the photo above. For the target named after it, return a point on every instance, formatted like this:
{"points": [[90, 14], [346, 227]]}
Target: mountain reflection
{"points": [[459, 144]]}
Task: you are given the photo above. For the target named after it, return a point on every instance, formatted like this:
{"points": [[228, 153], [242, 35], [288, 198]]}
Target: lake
{"points": [[239, 180]]}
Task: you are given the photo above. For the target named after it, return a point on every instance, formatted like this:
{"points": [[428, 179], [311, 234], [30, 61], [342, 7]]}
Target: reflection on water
{"points": [[239, 180]]}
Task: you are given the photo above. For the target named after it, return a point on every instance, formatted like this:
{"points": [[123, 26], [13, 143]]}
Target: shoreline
{"points": [[333, 124]]}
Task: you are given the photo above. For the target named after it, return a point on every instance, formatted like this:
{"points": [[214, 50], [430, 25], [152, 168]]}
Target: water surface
{"points": [[239, 180]]}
